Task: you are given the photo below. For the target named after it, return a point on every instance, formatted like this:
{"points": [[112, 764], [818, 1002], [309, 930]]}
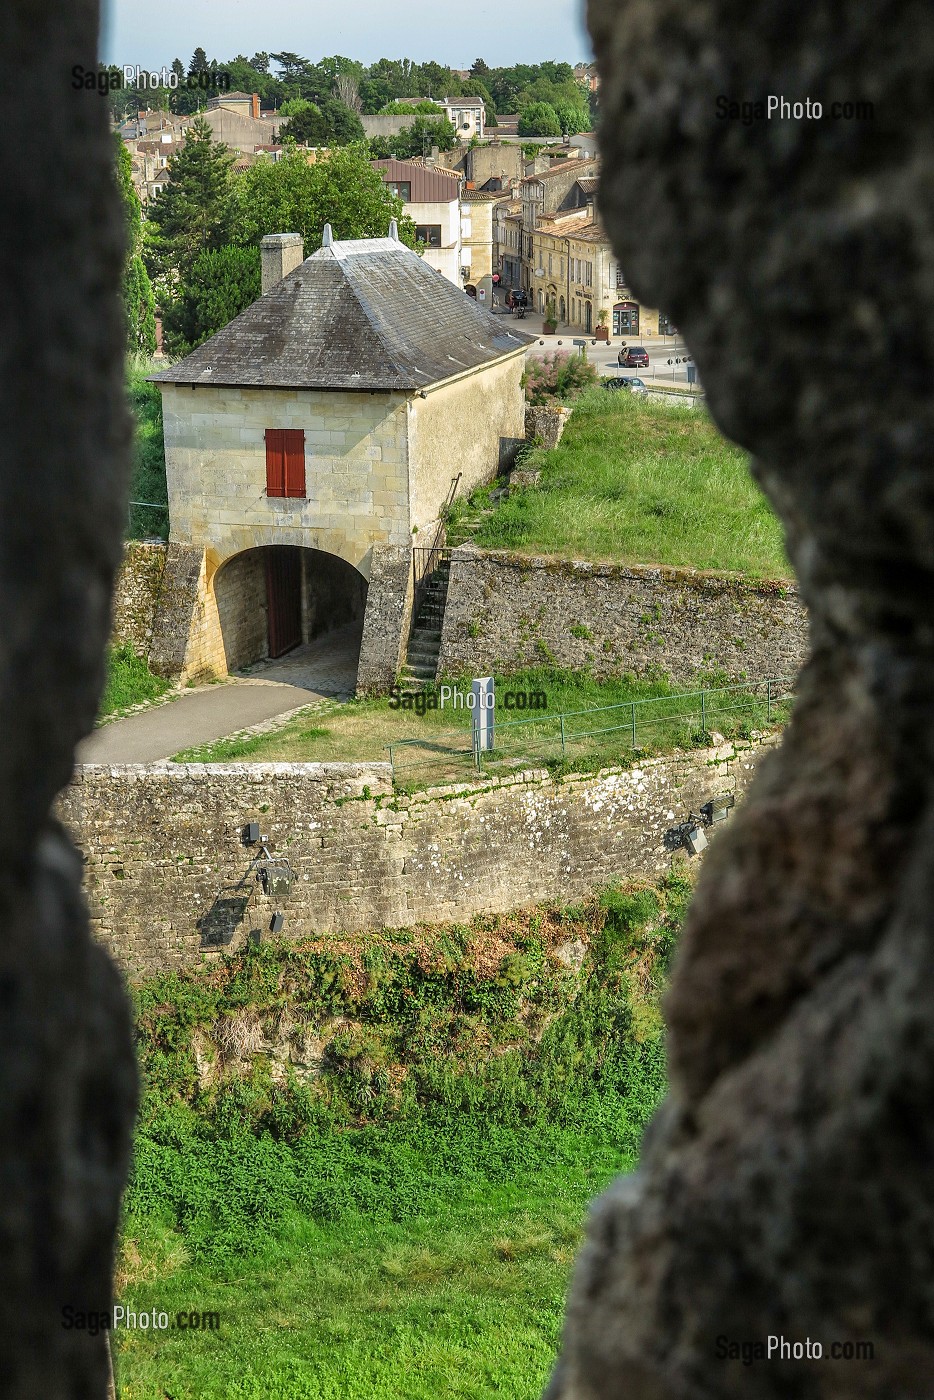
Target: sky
{"points": [[522, 31]]}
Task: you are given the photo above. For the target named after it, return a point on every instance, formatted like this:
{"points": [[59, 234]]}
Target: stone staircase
{"points": [[421, 658]]}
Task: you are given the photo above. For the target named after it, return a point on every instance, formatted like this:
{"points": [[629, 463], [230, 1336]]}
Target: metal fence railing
{"points": [[599, 736]]}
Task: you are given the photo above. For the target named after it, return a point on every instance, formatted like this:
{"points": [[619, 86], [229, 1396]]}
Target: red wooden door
{"points": [[283, 598]]}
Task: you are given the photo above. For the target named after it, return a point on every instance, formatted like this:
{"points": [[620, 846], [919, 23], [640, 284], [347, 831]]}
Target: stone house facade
{"points": [[329, 421]]}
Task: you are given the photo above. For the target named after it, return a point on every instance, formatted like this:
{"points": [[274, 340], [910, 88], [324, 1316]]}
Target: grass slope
{"points": [[395, 1215], [638, 481]]}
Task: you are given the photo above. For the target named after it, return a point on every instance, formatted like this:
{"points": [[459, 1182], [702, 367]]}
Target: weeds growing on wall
{"points": [[371, 1078]]}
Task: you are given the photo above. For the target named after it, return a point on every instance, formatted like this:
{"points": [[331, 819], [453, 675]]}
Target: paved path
{"points": [[325, 668]]}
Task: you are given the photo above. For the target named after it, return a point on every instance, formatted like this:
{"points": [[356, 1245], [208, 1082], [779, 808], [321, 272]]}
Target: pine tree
{"points": [[192, 212]]}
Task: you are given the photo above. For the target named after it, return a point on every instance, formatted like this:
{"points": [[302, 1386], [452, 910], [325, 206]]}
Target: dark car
{"points": [[621, 381], [633, 357]]}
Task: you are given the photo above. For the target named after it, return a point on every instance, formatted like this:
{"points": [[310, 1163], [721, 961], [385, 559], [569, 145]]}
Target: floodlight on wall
{"points": [[251, 833], [718, 808], [276, 922], [695, 840]]}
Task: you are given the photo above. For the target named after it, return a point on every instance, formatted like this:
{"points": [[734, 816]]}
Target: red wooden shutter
{"points": [[294, 453], [275, 462]]}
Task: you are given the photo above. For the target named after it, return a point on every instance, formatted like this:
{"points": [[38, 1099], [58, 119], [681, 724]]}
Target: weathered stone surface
{"points": [[507, 611], [785, 1187], [137, 593], [544, 425], [386, 619], [67, 1074], [169, 878]]}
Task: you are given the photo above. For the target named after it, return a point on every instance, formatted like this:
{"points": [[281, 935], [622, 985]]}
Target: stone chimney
{"points": [[281, 254]]}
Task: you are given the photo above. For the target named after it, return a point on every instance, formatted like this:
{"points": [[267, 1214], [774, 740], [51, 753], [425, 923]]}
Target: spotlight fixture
{"points": [[695, 840], [276, 922]]}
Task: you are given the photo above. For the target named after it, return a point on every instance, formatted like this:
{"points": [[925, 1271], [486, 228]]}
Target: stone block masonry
{"points": [[169, 880], [508, 611], [136, 594]]}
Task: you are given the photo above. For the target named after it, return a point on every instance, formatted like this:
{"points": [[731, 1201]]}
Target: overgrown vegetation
{"points": [[373, 1156], [636, 481], [129, 682], [147, 481], [558, 378]]}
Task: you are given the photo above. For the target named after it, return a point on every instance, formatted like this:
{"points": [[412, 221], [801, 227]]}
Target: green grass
{"points": [[398, 1218], [462, 1300], [638, 481], [129, 682], [147, 481], [436, 746]]}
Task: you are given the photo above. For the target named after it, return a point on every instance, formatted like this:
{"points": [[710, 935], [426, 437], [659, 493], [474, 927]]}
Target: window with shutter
{"points": [[285, 462]]}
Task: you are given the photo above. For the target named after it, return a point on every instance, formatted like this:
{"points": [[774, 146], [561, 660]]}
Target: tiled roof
{"points": [[589, 183], [366, 314]]}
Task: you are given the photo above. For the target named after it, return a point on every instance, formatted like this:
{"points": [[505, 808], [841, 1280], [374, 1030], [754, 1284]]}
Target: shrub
{"points": [[558, 377]]}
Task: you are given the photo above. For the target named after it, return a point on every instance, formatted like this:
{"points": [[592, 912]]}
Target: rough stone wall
{"points": [[177, 627], [67, 1068], [785, 1186], [386, 620], [506, 611], [240, 599], [168, 877], [545, 425], [137, 593]]}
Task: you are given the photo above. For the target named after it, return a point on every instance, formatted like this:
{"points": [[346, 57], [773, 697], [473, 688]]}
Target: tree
{"points": [[415, 140], [291, 64], [138, 300], [347, 91], [192, 212], [220, 284], [539, 119], [290, 195], [479, 69], [325, 122]]}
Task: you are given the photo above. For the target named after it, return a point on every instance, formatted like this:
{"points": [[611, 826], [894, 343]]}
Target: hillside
{"points": [[635, 481]]}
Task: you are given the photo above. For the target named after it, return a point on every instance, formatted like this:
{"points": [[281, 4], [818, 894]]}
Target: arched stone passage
{"points": [[273, 599]]}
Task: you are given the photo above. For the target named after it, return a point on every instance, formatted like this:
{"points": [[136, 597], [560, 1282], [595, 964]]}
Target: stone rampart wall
{"points": [[168, 877], [506, 611]]}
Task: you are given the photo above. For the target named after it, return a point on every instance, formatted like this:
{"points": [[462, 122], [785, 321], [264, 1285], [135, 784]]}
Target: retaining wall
{"points": [[507, 611], [168, 878]]}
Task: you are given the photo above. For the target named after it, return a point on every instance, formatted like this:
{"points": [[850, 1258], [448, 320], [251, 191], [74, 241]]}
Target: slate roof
{"points": [[367, 314]]}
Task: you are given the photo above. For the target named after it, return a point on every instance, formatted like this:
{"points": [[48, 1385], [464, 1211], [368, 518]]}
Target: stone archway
{"points": [[273, 599]]}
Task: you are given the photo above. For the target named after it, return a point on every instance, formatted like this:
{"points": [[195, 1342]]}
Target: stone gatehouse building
{"points": [[319, 432]]}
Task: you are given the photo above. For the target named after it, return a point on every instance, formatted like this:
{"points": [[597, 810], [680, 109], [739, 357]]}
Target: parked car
{"points": [[633, 357], [622, 381]]}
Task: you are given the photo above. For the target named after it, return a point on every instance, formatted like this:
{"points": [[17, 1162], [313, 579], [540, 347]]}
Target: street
{"points": [[660, 349]]}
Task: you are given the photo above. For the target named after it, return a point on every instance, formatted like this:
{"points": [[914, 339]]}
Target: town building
{"points": [[431, 197], [327, 424]]}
